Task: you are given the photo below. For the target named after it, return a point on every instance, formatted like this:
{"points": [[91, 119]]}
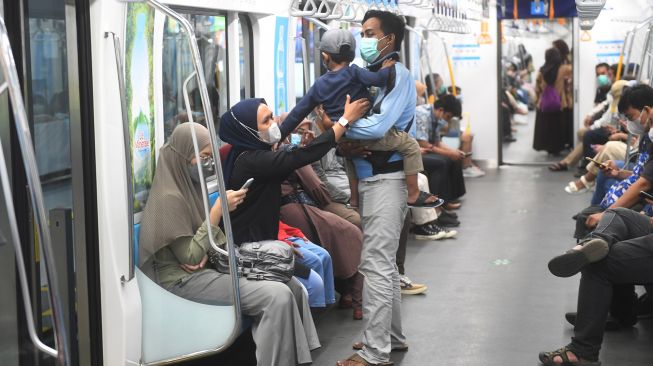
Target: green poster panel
{"points": [[139, 85]]}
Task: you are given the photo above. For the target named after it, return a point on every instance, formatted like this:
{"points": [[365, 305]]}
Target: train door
{"points": [[49, 42]]}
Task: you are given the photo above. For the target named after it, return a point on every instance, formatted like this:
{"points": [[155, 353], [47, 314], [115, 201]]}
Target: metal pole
{"points": [[127, 149]]}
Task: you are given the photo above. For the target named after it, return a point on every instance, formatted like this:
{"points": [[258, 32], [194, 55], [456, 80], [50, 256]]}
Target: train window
{"points": [[304, 34], [210, 31], [246, 57]]}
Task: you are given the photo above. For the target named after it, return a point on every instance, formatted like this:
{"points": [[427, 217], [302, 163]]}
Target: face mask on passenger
{"points": [[208, 168], [602, 80], [442, 90], [368, 48], [270, 136], [635, 127]]}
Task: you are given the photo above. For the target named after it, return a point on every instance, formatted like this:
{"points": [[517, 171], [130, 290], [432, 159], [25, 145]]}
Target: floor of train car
{"points": [[491, 299], [521, 151]]}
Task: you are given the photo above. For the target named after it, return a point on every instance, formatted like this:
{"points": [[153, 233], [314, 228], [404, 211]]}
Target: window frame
{"points": [[189, 10], [245, 24]]}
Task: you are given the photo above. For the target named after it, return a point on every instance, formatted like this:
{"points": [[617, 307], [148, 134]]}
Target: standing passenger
{"points": [[383, 192]]}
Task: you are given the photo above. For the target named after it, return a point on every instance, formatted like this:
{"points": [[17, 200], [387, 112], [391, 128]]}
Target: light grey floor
{"points": [[521, 151], [491, 299]]}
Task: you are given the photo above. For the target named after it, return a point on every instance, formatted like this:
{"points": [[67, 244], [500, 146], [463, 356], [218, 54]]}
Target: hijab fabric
{"points": [[552, 62], [240, 138], [174, 207]]}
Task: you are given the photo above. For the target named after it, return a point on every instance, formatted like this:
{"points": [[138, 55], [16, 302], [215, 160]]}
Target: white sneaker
{"points": [[473, 172]]}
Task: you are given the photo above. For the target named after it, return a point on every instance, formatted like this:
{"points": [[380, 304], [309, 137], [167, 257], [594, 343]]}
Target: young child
{"points": [[331, 90]]}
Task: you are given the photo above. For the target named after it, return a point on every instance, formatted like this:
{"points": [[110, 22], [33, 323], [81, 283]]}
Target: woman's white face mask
{"points": [[272, 135]]}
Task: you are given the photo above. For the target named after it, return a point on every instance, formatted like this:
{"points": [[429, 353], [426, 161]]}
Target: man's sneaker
{"points": [[473, 172], [447, 220], [446, 233], [426, 232], [410, 288]]}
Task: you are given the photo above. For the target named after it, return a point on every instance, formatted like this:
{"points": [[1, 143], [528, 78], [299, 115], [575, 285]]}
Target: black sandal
{"points": [[558, 167], [573, 261], [547, 359], [420, 202]]}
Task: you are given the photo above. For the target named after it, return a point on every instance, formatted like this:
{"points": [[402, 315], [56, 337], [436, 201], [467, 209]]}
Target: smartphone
{"points": [[601, 165], [295, 139], [247, 184], [468, 154], [646, 195]]}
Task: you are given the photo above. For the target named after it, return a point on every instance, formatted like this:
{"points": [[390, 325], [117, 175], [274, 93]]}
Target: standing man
{"points": [[383, 192]]}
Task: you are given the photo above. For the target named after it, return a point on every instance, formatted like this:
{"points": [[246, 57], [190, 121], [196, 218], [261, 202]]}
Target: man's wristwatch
{"points": [[343, 122]]}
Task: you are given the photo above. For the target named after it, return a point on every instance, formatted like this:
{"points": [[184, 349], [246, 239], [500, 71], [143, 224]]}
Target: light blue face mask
{"points": [[603, 80], [368, 48]]}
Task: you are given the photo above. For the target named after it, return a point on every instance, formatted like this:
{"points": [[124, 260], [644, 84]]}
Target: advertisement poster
{"points": [[139, 85], [280, 66]]}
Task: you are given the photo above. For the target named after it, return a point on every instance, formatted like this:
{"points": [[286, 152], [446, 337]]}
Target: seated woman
{"points": [[619, 251], [321, 290], [303, 197], [250, 129], [174, 243]]}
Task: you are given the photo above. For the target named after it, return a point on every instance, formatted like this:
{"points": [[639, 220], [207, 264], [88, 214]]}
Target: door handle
{"points": [[127, 147]]}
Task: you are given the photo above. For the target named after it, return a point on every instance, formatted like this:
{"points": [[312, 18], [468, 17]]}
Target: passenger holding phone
{"points": [[635, 105], [612, 150], [174, 242]]}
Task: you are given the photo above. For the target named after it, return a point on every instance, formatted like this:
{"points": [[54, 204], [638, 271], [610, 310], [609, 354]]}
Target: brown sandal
{"points": [[547, 359], [356, 360]]}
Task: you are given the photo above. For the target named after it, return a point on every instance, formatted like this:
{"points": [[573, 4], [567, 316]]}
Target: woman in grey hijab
{"points": [[174, 243]]}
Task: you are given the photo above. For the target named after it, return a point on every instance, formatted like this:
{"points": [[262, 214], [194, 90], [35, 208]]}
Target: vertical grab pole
{"points": [[450, 67], [621, 57], [128, 150]]}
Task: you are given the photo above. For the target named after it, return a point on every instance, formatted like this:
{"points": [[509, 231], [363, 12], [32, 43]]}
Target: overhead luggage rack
{"points": [[448, 17]]}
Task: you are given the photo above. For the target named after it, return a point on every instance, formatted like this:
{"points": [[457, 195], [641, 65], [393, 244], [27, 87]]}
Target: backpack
{"points": [[269, 260], [550, 100]]}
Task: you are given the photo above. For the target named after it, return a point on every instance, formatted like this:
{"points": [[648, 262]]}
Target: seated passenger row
{"points": [[615, 233]]}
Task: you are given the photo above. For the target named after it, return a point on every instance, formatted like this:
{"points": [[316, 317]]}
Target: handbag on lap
{"points": [[269, 260]]}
